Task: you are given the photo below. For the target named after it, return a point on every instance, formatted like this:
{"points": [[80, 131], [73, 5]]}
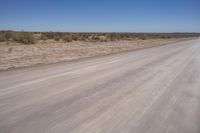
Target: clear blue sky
{"points": [[101, 15]]}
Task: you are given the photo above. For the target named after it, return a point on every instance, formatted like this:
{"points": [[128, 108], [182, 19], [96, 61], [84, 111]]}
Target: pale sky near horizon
{"points": [[101, 15]]}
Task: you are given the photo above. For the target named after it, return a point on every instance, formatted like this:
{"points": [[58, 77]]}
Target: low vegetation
{"points": [[33, 37]]}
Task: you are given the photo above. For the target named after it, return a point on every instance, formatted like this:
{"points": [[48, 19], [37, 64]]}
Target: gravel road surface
{"points": [[154, 90]]}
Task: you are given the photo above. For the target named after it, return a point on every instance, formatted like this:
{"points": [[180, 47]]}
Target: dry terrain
{"points": [[13, 55], [154, 90]]}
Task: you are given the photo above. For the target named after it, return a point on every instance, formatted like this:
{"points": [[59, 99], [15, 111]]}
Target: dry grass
{"points": [[34, 37], [50, 51]]}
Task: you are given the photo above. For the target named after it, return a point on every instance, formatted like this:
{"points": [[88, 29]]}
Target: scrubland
{"points": [[19, 49]]}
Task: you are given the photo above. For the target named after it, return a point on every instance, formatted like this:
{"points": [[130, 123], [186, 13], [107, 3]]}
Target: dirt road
{"points": [[155, 90]]}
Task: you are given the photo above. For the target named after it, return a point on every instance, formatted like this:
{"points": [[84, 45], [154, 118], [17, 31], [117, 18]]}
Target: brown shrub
{"points": [[68, 38], [24, 37]]}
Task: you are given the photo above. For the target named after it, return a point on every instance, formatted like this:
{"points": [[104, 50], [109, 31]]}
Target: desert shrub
{"points": [[58, 36], [8, 35], [143, 37], [94, 38], [68, 38], [116, 36], [75, 37], [164, 36], [30, 37], [102, 38], [82, 37], [24, 37], [85, 36], [47, 35], [107, 37], [43, 36], [2, 38]]}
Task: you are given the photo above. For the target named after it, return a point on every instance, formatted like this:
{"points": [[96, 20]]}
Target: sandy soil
{"points": [[17, 55], [154, 90]]}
